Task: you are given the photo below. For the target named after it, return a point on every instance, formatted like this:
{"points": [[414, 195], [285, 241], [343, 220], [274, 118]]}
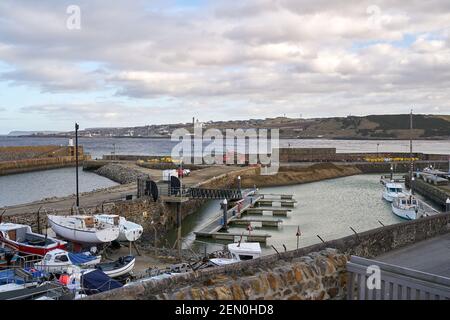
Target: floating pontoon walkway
{"points": [[249, 200]]}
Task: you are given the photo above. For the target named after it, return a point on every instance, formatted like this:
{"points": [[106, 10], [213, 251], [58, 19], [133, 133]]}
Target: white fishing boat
{"points": [[393, 190], [407, 207], [83, 229], [239, 252], [128, 231], [60, 260]]}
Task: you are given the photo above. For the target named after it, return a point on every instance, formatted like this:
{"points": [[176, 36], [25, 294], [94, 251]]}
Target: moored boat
{"points": [[407, 207], [20, 237], [128, 231], [392, 190], [83, 229]]}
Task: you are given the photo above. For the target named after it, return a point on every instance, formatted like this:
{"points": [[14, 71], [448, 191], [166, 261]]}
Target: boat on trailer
{"points": [[128, 231], [83, 229], [239, 252], [20, 237]]}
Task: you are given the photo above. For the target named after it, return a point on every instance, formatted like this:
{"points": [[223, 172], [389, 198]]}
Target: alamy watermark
{"points": [[373, 281], [73, 22], [237, 146]]}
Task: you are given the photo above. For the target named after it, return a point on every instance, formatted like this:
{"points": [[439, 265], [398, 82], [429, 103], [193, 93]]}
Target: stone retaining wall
{"points": [[33, 152], [20, 166], [119, 173], [325, 278]]}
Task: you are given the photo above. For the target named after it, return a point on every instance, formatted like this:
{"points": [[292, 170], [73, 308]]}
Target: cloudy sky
{"points": [[148, 62]]}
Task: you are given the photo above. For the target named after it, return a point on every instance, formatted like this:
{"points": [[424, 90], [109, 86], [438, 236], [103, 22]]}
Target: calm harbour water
{"points": [[327, 208], [22, 188], [33, 186]]}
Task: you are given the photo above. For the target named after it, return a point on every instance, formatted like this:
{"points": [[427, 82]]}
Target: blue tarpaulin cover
{"points": [[97, 281], [80, 258], [8, 276]]}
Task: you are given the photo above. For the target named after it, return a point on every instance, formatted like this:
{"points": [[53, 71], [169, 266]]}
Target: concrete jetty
{"points": [[268, 211], [270, 223], [276, 202]]}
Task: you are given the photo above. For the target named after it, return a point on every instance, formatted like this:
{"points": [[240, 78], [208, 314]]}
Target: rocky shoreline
{"points": [[119, 173]]}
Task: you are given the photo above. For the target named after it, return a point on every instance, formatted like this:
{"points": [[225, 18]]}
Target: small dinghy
{"points": [[20, 237], [60, 260], [128, 231], [83, 229], [122, 266]]}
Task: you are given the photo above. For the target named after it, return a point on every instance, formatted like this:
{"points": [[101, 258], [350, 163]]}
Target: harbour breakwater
{"points": [[33, 158], [314, 272]]}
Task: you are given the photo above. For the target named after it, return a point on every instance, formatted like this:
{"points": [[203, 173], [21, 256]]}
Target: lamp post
{"points": [[225, 209], [412, 185], [76, 163], [447, 205]]}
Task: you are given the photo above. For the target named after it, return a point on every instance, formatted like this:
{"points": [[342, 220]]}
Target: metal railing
{"points": [[395, 283]]}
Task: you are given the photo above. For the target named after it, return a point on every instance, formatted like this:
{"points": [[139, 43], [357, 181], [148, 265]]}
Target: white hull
{"points": [[87, 235], [223, 261], [391, 196], [121, 271], [409, 214], [128, 231], [387, 197]]}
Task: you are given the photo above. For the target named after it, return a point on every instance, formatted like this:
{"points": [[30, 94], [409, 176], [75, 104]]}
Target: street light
{"points": [[225, 209], [76, 163], [447, 204]]}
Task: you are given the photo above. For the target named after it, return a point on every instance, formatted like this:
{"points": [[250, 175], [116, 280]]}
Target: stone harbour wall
{"points": [[27, 165], [34, 152], [317, 276], [318, 271]]}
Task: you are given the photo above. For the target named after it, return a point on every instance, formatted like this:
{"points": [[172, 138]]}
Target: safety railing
{"points": [[393, 282]]}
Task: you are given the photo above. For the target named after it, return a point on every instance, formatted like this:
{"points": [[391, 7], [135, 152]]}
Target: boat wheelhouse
{"points": [[392, 190]]}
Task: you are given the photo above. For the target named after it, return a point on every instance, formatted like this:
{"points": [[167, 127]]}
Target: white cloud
{"points": [[257, 57]]}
